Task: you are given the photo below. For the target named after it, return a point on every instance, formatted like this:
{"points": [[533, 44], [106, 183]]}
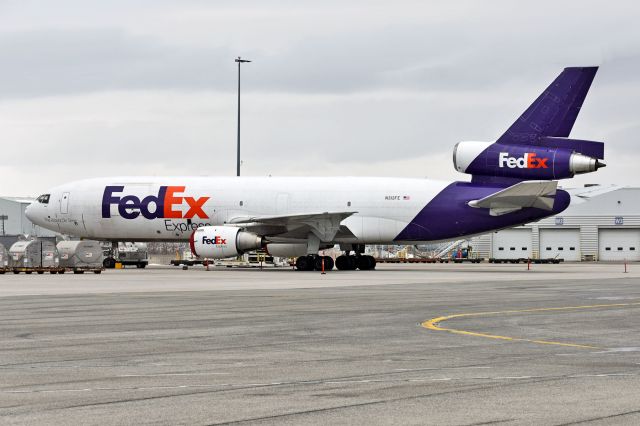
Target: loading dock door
{"points": [[619, 244], [511, 244], [560, 244]]}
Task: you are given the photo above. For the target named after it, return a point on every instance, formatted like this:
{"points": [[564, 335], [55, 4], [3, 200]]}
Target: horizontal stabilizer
{"points": [[537, 194]]}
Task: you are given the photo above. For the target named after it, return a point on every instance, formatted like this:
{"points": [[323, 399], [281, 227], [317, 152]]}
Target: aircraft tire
{"points": [[328, 263], [305, 263], [353, 263], [363, 263], [109, 263], [342, 263], [372, 262]]}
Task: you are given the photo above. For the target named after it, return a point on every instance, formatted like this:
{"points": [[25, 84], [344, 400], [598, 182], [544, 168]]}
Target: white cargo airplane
{"points": [[513, 182]]}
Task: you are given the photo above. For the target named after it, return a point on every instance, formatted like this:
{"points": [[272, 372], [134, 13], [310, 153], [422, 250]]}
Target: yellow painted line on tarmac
{"points": [[434, 323]]}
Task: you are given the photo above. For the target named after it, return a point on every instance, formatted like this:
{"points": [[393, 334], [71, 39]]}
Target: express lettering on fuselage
{"points": [[153, 207], [183, 227]]}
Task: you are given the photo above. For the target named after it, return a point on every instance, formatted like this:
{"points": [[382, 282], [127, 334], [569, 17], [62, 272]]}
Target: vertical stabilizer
{"points": [[555, 110]]}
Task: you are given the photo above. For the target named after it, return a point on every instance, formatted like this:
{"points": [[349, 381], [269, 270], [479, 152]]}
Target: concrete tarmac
{"points": [[405, 344]]}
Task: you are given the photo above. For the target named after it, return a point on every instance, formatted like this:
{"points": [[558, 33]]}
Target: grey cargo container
{"points": [[4, 257], [33, 254], [80, 254]]}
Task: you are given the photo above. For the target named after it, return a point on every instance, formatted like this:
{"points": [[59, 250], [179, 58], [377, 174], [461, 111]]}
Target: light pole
{"points": [[239, 60]]}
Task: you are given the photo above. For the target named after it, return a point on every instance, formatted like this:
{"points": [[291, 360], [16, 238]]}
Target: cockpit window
{"points": [[43, 199]]}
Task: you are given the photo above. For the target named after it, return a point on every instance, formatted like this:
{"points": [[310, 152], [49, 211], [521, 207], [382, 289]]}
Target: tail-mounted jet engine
{"points": [[550, 158], [219, 242]]}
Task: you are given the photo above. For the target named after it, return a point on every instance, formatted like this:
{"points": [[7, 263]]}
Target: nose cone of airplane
{"points": [[28, 212], [32, 213]]}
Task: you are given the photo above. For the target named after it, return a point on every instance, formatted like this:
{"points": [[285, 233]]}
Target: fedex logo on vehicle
{"points": [[217, 240], [152, 206], [529, 161]]}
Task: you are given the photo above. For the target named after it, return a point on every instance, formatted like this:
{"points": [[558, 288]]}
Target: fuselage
{"points": [[385, 210]]}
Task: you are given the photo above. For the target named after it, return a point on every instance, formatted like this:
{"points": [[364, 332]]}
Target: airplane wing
{"points": [[538, 194], [324, 225]]}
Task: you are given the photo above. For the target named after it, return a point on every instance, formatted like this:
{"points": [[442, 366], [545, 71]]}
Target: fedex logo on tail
{"points": [[164, 205], [528, 161]]}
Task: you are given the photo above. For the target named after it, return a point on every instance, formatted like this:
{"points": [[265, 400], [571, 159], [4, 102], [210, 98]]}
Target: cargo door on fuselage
{"points": [[64, 203]]}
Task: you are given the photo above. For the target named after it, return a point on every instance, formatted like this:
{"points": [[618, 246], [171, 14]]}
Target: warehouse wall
{"points": [[17, 223], [591, 210]]}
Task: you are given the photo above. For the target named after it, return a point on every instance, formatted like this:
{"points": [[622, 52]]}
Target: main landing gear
{"points": [[314, 263], [359, 261], [343, 263]]}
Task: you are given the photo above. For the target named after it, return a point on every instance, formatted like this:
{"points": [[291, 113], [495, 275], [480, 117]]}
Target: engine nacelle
{"points": [[219, 242], [522, 161]]}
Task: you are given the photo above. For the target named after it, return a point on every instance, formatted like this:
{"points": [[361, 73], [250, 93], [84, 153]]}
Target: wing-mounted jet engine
{"points": [[219, 242]]}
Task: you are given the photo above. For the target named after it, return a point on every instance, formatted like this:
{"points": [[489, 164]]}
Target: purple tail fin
{"points": [[555, 110]]}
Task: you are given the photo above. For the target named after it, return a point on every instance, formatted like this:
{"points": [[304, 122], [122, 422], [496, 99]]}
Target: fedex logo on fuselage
{"points": [[529, 161], [158, 206]]}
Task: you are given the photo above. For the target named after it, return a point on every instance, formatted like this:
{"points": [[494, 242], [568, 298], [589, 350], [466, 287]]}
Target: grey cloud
{"points": [[434, 58], [360, 96], [57, 62]]}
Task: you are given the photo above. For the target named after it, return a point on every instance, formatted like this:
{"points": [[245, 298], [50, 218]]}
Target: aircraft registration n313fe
{"points": [[514, 181]]}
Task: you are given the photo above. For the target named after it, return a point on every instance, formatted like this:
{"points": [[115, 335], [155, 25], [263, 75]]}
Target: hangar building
{"points": [[13, 220], [602, 223]]}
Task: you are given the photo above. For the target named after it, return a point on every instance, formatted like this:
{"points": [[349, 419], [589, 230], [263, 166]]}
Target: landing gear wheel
{"points": [[328, 263], [346, 263], [109, 263], [141, 265], [363, 263], [342, 263], [305, 263], [353, 263], [372, 262]]}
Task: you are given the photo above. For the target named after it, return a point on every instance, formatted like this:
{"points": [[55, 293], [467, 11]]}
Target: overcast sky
{"points": [[365, 88]]}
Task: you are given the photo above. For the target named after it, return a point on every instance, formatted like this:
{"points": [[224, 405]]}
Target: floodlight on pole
{"points": [[239, 60]]}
